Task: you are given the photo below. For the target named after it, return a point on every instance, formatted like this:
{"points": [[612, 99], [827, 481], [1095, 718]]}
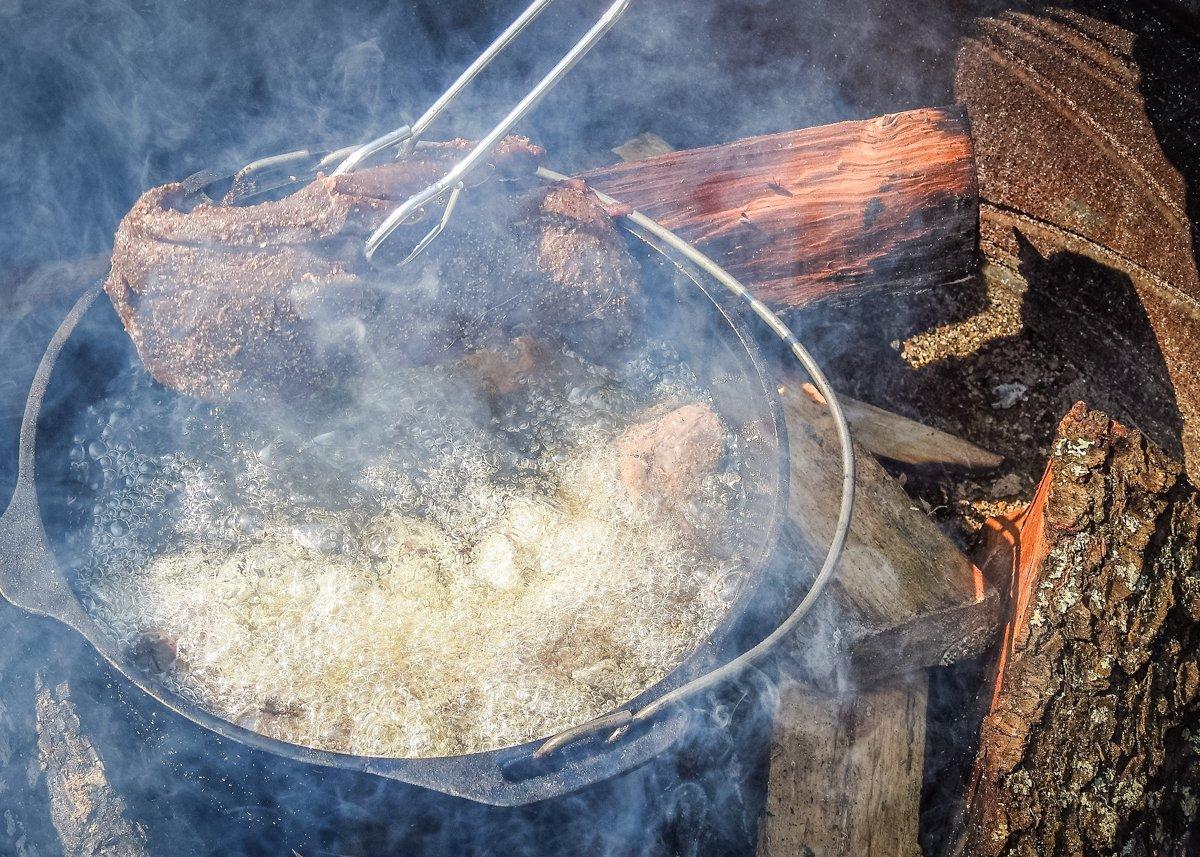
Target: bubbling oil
{"points": [[425, 572]]}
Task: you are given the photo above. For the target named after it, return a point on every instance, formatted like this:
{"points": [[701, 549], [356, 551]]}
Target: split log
{"points": [[904, 597], [1089, 165], [1090, 745], [886, 204], [897, 438], [845, 772]]}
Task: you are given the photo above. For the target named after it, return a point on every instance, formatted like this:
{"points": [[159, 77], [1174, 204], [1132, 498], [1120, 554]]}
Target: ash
{"points": [[426, 573]]}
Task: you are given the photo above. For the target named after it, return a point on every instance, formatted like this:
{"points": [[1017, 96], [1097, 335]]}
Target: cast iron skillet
{"points": [[89, 350]]}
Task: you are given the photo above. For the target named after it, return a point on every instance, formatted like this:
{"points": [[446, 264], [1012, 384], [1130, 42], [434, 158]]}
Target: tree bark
{"points": [[886, 204], [1090, 744]]}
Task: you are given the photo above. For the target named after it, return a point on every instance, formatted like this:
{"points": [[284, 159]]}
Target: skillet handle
{"points": [[515, 777], [29, 577]]}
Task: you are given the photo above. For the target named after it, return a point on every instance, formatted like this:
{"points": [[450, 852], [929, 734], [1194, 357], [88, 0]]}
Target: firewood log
{"points": [[1084, 128], [23, 832], [845, 772], [897, 438], [89, 816], [1089, 745], [904, 597], [886, 204], [847, 753]]}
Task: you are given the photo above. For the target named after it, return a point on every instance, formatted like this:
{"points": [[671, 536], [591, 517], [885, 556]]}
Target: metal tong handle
{"points": [[408, 135], [452, 182]]}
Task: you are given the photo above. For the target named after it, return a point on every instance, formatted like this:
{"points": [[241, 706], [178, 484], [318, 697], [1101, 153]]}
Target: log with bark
{"points": [[1091, 742], [1085, 130], [885, 204]]}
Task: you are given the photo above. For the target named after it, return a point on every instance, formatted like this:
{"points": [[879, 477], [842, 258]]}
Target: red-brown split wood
{"points": [[834, 211]]}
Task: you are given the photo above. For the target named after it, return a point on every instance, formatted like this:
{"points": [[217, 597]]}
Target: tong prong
{"points": [[391, 138], [406, 211], [408, 135], [484, 147]]}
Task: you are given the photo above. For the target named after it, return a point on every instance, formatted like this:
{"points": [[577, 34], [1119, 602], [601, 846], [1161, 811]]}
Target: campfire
{"points": [[415, 496]]}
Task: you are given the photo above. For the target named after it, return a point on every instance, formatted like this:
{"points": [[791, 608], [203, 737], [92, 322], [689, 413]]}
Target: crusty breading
{"points": [[276, 299]]}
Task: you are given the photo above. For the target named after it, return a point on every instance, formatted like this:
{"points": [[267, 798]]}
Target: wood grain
{"points": [[1085, 130], [845, 772], [886, 434], [885, 204], [904, 597]]}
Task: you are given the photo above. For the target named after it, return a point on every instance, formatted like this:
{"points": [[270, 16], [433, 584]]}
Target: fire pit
{"points": [[1033, 698]]}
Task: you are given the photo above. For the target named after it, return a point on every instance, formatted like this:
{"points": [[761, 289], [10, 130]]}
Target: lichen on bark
{"points": [[1091, 744]]}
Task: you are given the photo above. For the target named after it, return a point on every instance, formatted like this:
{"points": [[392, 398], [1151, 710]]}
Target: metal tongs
{"points": [[450, 186]]}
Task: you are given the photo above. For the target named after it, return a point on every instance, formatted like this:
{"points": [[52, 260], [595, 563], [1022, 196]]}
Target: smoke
{"points": [[100, 100], [105, 99]]}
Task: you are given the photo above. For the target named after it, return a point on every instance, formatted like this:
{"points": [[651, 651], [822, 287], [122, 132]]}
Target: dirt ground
{"points": [[962, 361]]}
